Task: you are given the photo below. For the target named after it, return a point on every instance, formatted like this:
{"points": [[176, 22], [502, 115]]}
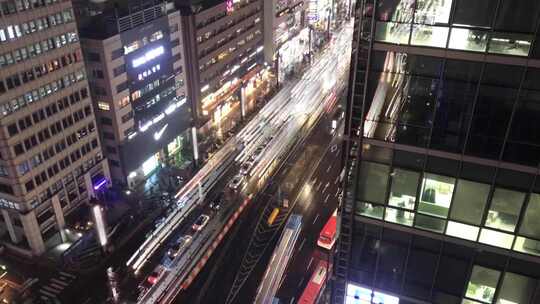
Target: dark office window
{"points": [[454, 109], [108, 135], [93, 57], [475, 13], [517, 16], [391, 266], [119, 70], [12, 129], [493, 109], [421, 268], [117, 53], [106, 121], [29, 186], [121, 87], [451, 275], [18, 148], [523, 145], [6, 189]]}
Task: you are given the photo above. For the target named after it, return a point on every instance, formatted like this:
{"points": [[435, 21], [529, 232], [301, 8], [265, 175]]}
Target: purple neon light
{"points": [[100, 184]]}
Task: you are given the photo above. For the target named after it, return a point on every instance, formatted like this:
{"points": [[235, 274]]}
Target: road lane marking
{"points": [[337, 193], [317, 217], [319, 186], [326, 199], [337, 179], [326, 187], [291, 301], [329, 168], [301, 281], [309, 264], [302, 244]]}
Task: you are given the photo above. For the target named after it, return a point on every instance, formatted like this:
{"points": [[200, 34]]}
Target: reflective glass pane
{"points": [[530, 226], [393, 32], [510, 44], [403, 189], [517, 15], [462, 231], [474, 13], [370, 210], [428, 35], [526, 245], [429, 223], [523, 144], [432, 12], [482, 284], [392, 10], [496, 238], [504, 210], [469, 201], [372, 182], [436, 194], [399, 216], [469, 40], [516, 289], [492, 113]]}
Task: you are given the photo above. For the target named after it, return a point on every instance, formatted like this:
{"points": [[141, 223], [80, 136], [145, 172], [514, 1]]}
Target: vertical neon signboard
{"points": [[230, 6]]}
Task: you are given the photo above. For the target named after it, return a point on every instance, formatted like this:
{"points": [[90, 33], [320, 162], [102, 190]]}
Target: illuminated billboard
{"points": [[148, 56]]}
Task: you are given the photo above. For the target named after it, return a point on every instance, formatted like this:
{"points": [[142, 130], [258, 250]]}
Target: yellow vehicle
{"points": [[272, 216]]}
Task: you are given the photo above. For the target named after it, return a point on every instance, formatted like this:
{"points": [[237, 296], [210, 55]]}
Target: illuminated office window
{"points": [[469, 201], [468, 40], [530, 226], [516, 289], [504, 210], [482, 284], [372, 182], [428, 35], [399, 216], [403, 189], [436, 195]]}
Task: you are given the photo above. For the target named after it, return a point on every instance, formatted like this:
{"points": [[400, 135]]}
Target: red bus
{"points": [[327, 237], [315, 284]]}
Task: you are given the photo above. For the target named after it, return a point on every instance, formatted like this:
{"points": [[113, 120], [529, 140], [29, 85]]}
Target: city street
{"points": [[315, 205], [262, 148]]}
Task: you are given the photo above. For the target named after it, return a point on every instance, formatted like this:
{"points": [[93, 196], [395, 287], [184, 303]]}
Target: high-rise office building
{"points": [[226, 73], [442, 152], [51, 159], [134, 58]]}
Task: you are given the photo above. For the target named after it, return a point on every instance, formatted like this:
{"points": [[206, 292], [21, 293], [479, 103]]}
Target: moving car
{"points": [[175, 249], [246, 167], [215, 205], [257, 152], [200, 222], [236, 181], [155, 275]]}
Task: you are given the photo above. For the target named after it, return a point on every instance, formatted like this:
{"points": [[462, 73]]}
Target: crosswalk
{"points": [[50, 292]]}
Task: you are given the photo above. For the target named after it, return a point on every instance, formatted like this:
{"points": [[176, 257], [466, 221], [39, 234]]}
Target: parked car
{"points": [[200, 222]]}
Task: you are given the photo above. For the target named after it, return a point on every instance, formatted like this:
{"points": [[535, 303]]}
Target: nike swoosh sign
{"points": [[158, 134]]}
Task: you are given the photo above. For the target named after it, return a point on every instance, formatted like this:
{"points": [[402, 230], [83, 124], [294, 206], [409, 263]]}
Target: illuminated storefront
{"points": [[361, 295]]}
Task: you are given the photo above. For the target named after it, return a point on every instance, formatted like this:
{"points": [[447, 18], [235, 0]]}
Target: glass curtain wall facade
{"points": [[443, 149]]}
